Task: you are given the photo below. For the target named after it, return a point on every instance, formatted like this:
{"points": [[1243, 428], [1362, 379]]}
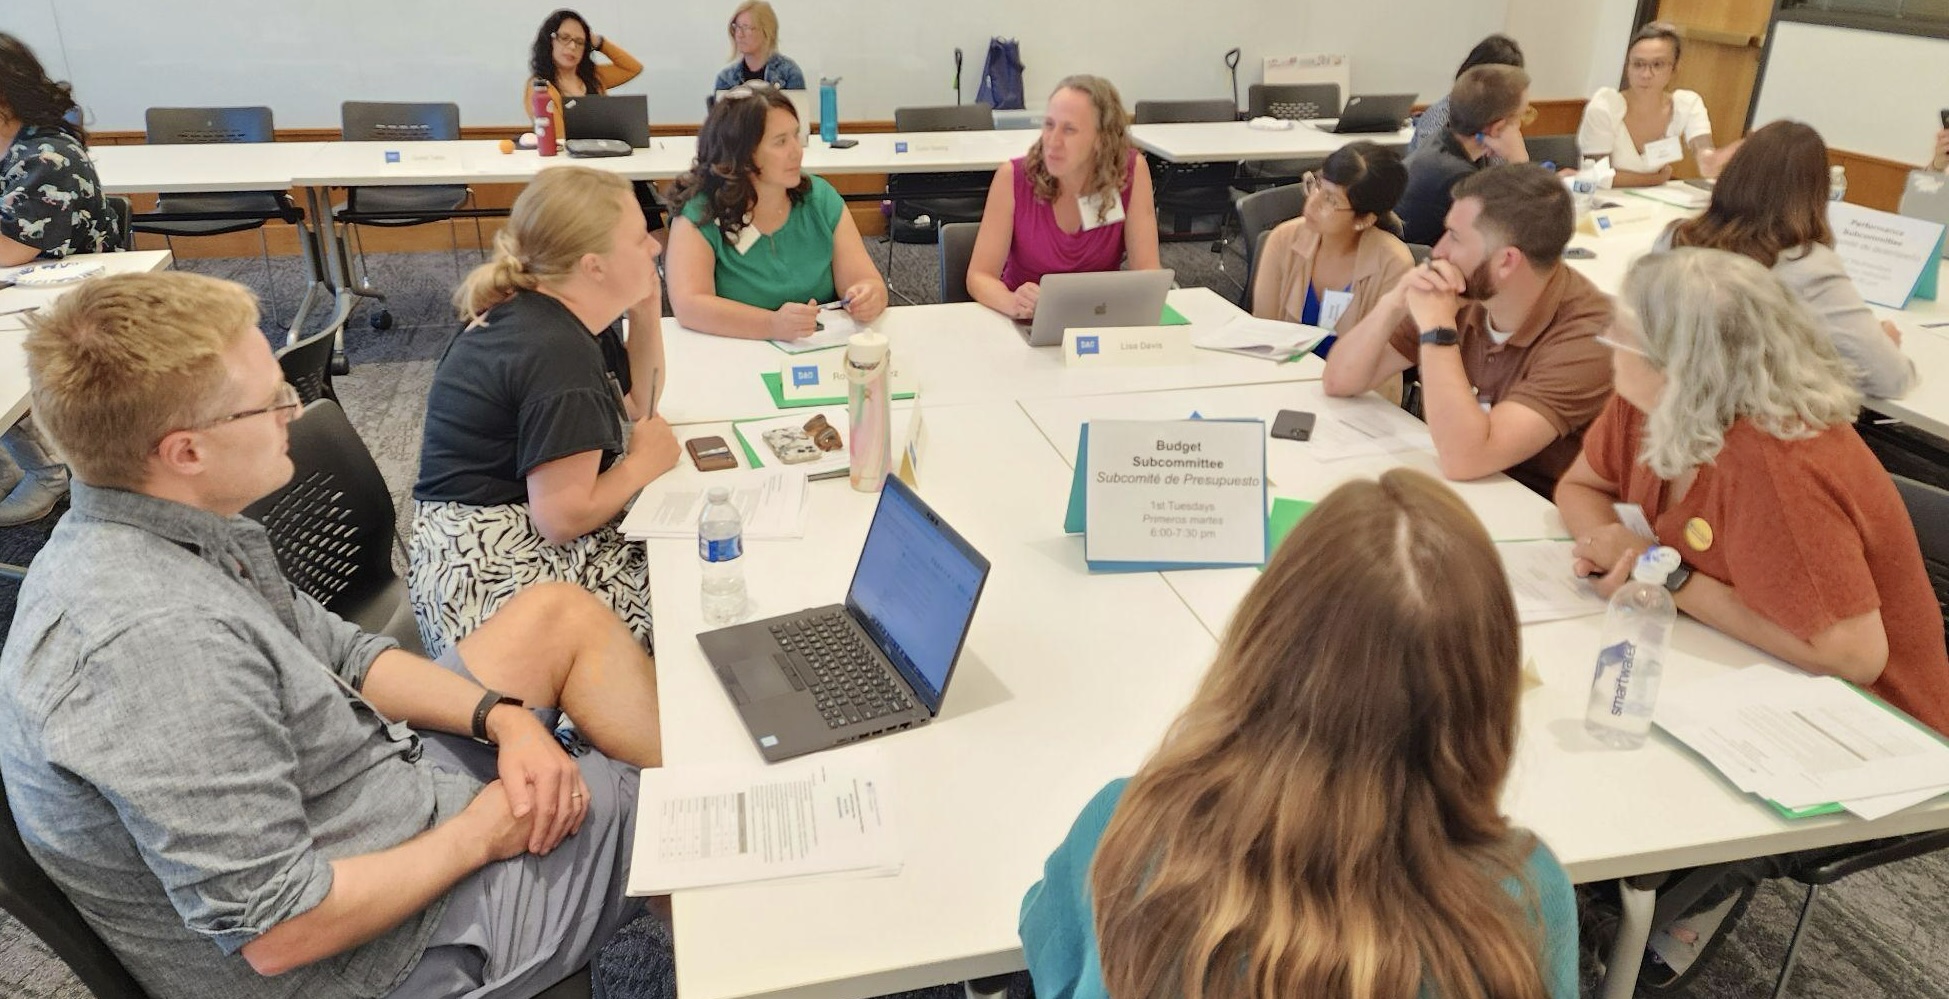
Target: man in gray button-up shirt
{"points": [[225, 777]]}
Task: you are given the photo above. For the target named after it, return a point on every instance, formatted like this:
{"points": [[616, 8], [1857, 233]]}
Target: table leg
{"points": [[1633, 933]]}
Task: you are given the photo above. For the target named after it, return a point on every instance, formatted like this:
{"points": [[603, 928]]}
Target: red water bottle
{"points": [[544, 109]]}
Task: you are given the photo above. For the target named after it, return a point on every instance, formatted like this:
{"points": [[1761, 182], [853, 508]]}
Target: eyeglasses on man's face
{"points": [[287, 403]]}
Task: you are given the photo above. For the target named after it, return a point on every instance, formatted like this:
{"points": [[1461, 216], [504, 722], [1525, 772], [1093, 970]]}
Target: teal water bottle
{"points": [[828, 109]]}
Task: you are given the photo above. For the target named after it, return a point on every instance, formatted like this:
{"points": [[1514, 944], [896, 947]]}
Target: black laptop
{"points": [[622, 117], [878, 663], [1373, 113]]}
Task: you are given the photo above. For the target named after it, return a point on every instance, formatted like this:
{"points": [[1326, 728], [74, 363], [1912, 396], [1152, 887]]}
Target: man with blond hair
{"points": [[244, 795]]}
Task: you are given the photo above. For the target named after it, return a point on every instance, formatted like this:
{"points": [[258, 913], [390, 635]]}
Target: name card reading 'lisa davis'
{"points": [[1119, 346], [1170, 494], [1884, 253]]}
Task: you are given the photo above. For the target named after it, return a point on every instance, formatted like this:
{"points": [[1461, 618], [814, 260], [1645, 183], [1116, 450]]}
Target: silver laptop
{"points": [[878, 663], [1097, 298], [1927, 197]]}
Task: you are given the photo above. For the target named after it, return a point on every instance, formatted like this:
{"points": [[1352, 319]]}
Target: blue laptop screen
{"points": [[915, 589]]}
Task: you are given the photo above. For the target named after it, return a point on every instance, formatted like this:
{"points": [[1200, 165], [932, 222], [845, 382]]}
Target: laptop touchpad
{"points": [[761, 678]]}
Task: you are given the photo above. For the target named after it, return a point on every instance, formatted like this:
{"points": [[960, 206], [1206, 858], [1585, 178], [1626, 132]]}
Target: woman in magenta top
{"points": [[1079, 201]]}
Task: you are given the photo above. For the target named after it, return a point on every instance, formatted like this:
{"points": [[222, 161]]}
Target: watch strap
{"points": [[1441, 336], [489, 701]]}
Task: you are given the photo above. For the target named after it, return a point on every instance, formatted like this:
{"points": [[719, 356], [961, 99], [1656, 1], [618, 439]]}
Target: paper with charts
{"points": [[821, 817]]}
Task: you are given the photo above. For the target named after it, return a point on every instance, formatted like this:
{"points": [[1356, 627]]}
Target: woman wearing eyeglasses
{"points": [[754, 44], [1647, 127], [1329, 266], [564, 58], [759, 248]]}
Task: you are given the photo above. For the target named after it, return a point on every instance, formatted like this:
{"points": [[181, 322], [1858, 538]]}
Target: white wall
{"points": [[1571, 47], [302, 57], [1867, 92]]}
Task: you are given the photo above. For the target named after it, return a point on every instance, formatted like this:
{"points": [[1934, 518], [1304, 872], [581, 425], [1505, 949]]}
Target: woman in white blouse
{"points": [[1648, 127]]}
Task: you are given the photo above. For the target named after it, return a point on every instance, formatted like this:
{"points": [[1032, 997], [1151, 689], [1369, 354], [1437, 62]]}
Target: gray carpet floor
{"points": [[1883, 934]]}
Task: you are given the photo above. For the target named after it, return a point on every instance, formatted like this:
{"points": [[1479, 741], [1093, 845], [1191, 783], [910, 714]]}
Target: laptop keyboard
{"points": [[836, 666]]}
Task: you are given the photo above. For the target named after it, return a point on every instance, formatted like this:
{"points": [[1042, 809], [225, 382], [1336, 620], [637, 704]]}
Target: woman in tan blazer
{"points": [[1330, 265]]}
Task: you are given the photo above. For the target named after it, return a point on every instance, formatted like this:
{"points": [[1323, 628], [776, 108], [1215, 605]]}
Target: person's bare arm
{"points": [[1634, 178], [1140, 222], [991, 248], [1362, 358], [854, 274], [571, 496], [647, 368], [13, 252]]}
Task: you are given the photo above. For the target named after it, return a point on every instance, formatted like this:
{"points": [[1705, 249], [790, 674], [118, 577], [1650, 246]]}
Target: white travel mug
{"points": [[869, 399]]}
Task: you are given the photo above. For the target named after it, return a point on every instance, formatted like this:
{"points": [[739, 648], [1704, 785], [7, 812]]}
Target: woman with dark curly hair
{"points": [[51, 205], [1079, 201], [757, 244], [564, 58]]}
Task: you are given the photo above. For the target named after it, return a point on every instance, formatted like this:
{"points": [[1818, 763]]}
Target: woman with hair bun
{"points": [[529, 456]]}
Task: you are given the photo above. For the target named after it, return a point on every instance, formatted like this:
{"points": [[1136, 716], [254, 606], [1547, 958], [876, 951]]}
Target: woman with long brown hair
{"points": [[1770, 204], [1322, 820]]}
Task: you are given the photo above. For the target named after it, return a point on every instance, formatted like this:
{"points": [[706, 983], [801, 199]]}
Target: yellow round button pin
{"points": [[1698, 534]]}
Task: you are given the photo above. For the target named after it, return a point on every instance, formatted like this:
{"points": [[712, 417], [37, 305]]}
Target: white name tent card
{"points": [[821, 376], [1884, 253], [1126, 346], [1170, 494]]}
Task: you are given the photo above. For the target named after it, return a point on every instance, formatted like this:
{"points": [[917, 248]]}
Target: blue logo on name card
{"points": [[1603, 222], [1086, 345], [392, 155], [804, 375], [899, 147]]}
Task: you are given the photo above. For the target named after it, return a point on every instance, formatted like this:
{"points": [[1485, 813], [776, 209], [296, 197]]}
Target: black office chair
{"points": [[1292, 102], [123, 212], [332, 526], [397, 206], [307, 365], [1559, 150], [1189, 191], [957, 248], [910, 191], [183, 126], [1258, 213]]}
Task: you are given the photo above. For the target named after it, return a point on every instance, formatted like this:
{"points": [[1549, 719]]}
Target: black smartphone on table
{"points": [[1293, 425]]}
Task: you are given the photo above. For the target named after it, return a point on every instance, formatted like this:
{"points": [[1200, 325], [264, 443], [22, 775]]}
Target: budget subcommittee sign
{"points": [[1172, 494]]}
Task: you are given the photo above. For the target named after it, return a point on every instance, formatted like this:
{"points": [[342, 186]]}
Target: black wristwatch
{"points": [[1676, 579], [491, 700], [1440, 336]]}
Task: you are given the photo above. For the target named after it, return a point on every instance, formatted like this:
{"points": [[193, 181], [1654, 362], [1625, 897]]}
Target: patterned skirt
{"points": [[466, 561]]}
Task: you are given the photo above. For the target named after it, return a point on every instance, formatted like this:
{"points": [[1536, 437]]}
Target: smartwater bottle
{"points": [[720, 547], [1637, 630], [1837, 183], [869, 409]]}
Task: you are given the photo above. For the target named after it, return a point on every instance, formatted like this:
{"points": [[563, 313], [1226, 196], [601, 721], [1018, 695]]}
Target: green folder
{"points": [[777, 389], [1172, 317]]}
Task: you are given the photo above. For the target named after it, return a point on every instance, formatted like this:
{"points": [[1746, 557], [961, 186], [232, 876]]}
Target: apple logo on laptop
{"points": [[1102, 308]]}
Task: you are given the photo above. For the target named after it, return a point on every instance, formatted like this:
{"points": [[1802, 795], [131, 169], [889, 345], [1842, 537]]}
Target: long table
{"points": [[1070, 678], [1217, 141]]}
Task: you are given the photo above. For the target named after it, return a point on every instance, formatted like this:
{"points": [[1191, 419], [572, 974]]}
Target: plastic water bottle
{"points": [[1836, 183], [1637, 630], [829, 110], [720, 547]]}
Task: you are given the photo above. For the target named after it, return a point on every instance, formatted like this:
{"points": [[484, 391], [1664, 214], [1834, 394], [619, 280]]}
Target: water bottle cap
{"points": [[719, 494], [1655, 564]]}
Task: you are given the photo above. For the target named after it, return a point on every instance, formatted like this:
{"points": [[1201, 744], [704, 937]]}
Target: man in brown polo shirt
{"points": [[1502, 330]]}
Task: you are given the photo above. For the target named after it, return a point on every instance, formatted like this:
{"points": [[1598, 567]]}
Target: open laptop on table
{"points": [[878, 663], [1370, 113], [1096, 298], [622, 117]]}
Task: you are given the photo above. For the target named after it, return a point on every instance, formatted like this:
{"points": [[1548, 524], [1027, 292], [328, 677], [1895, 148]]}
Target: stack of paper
{"points": [[1807, 743], [1367, 430], [837, 327], [770, 501], [1539, 574], [822, 817], [1255, 337]]}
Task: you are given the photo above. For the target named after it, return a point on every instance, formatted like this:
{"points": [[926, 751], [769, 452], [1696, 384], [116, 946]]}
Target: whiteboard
{"points": [[303, 57], [1865, 91]]}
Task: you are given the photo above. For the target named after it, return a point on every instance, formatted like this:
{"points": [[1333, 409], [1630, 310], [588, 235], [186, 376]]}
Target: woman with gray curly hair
{"points": [[1732, 428]]}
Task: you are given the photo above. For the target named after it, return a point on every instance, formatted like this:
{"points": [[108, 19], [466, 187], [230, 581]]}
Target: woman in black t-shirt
{"points": [[526, 463]]}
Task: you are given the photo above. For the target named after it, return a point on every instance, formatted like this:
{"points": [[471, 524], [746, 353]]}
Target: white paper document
{"points": [[839, 326], [1676, 193], [1539, 574], [770, 501], [1804, 740], [822, 816], [1254, 337], [1367, 431]]}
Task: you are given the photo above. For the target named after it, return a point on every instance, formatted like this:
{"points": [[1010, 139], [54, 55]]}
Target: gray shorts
{"points": [[516, 927]]}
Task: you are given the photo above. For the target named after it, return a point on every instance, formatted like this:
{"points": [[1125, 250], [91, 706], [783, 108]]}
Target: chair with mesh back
{"points": [[957, 248], [397, 206], [910, 191], [1258, 213], [1189, 191], [307, 365], [185, 126], [29, 895], [1557, 150], [1292, 102]]}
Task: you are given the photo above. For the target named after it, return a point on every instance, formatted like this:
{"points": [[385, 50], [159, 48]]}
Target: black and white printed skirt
{"points": [[466, 561]]}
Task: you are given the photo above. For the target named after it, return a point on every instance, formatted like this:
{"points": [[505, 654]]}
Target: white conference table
{"points": [[1213, 141], [960, 353], [1925, 337], [13, 325]]}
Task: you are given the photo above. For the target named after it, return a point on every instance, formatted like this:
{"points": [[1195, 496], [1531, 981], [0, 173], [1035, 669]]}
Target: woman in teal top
{"points": [[1322, 820], [757, 246]]}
